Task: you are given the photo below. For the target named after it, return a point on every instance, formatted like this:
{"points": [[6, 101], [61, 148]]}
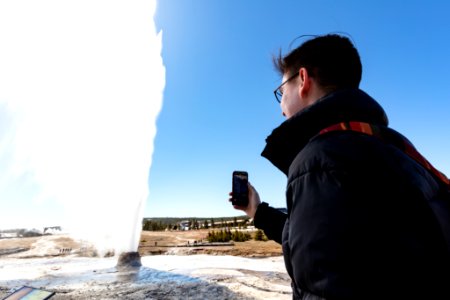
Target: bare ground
{"points": [[151, 243], [190, 242]]}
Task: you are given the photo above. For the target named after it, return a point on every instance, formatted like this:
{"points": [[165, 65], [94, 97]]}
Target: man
{"points": [[358, 225]]}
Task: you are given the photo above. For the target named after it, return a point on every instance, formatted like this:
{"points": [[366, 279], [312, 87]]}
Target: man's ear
{"points": [[305, 82]]}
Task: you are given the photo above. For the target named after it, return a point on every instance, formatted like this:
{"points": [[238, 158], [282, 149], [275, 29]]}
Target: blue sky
{"points": [[218, 102], [218, 105]]}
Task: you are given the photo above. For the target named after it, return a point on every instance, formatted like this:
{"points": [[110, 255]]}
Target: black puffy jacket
{"points": [[358, 224]]}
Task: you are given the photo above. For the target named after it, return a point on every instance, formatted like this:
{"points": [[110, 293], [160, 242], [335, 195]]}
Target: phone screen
{"points": [[240, 188]]}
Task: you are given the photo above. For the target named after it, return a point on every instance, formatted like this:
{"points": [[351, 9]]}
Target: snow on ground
{"points": [[160, 277]]}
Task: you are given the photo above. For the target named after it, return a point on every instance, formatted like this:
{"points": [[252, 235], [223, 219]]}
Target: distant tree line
{"points": [[260, 236], [160, 224], [236, 236], [153, 226], [227, 235]]}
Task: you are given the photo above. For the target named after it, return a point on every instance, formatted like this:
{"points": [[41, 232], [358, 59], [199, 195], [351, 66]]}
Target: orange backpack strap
{"points": [[388, 135]]}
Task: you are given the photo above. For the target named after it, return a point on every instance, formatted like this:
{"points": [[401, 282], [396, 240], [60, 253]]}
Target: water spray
{"points": [[81, 86]]}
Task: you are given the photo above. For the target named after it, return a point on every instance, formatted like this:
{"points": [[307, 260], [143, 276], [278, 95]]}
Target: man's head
{"points": [[318, 67]]}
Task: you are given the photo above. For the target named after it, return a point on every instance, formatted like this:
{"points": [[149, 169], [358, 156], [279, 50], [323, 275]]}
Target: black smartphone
{"points": [[240, 188]]}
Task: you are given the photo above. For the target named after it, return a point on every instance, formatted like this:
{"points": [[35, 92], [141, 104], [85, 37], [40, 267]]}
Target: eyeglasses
{"points": [[278, 92]]}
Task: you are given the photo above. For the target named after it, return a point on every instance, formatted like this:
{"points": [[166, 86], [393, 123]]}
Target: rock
{"points": [[128, 260]]}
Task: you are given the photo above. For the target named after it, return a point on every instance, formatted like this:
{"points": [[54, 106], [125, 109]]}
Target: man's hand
{"points": [[253, 202]]}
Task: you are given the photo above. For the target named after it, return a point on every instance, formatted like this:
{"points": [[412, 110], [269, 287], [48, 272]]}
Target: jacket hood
{"points": [[287, 140]]}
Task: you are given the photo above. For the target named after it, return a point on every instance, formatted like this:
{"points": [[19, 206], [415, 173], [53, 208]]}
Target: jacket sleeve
{"points": [[327, 213], [271, 221]]}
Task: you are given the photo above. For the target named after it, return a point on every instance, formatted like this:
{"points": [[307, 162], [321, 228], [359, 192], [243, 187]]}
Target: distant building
{"points": [[8, 235], [52, 230], [184, 225]]}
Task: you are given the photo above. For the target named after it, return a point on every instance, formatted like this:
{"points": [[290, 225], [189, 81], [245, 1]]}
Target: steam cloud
{"points": [[81, 86]]}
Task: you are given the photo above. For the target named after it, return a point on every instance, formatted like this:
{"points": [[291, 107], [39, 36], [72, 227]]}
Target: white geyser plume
{"points": [[81, 86]]}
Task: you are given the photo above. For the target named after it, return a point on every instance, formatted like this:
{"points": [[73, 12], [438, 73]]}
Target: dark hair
{"points": [[331, 59]]}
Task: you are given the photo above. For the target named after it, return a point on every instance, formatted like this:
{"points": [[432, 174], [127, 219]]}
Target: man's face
{"points": [[291, 102]]}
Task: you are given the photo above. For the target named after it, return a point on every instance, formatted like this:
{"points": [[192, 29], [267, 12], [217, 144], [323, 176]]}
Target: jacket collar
{"points": [[285, 141]]}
